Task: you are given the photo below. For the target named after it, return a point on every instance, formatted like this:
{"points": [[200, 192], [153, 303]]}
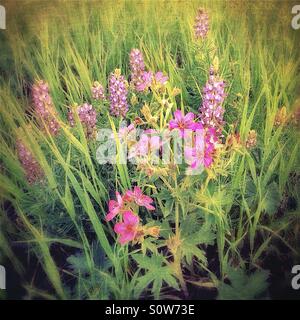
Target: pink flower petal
{"points": [[189, 117], [173, 124], [126, 237], [178, 115], [130, 218], [120, 227]]}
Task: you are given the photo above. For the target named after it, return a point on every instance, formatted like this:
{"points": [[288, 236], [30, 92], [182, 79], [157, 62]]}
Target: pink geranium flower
{"points": [[128, 228], [139, 198], [146, 80], [201, 154], [148, 144], [182, 122], [114, 207]]}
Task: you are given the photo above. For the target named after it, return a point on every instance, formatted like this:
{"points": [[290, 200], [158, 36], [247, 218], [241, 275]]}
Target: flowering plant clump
{"points": [[33, 171], [125, 206], [150, 183], [87, 116], [118, 94], [211, 110], [201, 26], [43, 107], [149, 79], [98, 91], [137, 68]]}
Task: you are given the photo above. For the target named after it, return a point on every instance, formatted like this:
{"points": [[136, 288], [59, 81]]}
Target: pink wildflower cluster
{"points": [[203, 142], [87, 116], [150, 79], [98, 91], [203, 149], [118, 94], [201, 25], [124, 206], [142, 79], [149, 144], [211, 110], [43, 106], [30, 165]]}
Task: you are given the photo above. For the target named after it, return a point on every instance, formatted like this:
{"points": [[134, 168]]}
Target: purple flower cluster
{"points": [[87, 116], [118, 94], [137, 67], [30, 165], [140, 77], [43, 106], [98, 91], [201, 26], [211, 110]]}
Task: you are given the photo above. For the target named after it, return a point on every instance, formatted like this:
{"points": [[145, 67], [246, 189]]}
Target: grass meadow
{"points": [[231, 231]]}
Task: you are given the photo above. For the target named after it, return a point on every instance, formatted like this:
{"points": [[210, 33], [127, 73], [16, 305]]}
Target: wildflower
{"points": [[160, 78], [137, 67], [211, 110], [139, 198], [182, 122], [97, 91], [146, 81], [148, 145], [87, 116], [201, 154], [201, 25], [251, 139], [118, 94], [128, 228], [30, 165], [43, 107], [115, 207], [125, 131]]}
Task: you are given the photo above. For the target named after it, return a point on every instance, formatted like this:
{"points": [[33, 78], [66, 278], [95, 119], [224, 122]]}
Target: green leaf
{"points": [[156, 272], [272, 198], [242, 286]]}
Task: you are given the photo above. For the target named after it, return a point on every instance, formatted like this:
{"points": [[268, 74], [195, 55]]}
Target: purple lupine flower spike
{"points": [[211, 110], [30, 165], [87, 116], [98, 91], [201, 25], [118, 94], [137, 67], [43, 106]]}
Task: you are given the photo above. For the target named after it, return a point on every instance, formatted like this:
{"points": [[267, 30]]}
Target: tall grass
{"points": [[71, 44]]}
